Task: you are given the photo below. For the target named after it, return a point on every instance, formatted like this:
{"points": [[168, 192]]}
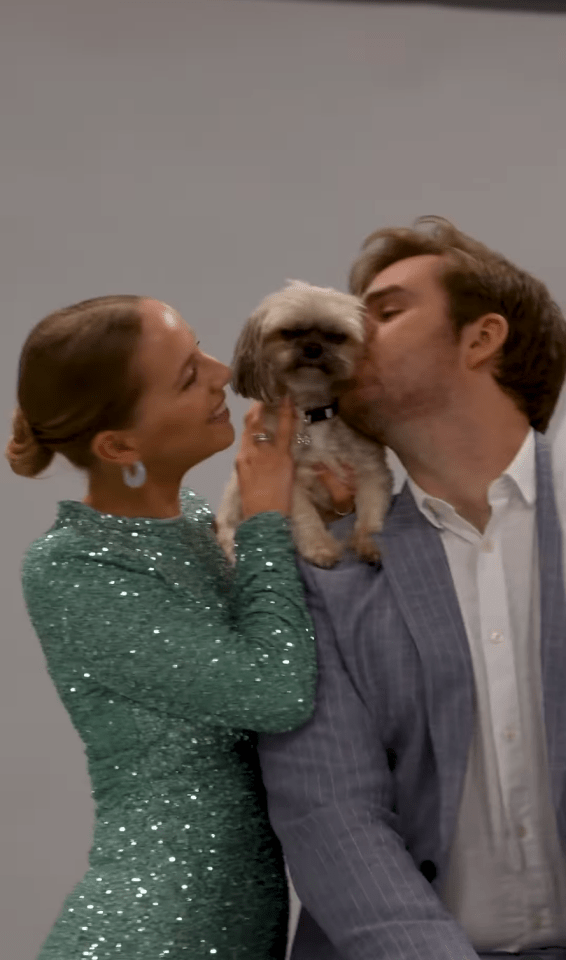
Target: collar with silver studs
{"points": [[316, 415], [321, 413]]}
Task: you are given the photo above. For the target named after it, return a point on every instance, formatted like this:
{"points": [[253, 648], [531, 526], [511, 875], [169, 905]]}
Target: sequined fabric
{"points": [[166, 660]]}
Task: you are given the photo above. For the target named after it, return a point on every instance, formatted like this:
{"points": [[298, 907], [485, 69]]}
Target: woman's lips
{"points": [[222, 413]]}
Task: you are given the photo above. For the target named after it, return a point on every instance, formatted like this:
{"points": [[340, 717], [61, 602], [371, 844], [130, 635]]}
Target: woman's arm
{"points": [[174, 648]]}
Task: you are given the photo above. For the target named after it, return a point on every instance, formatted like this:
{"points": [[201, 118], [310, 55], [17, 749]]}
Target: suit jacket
{"points": [[365, 796]]}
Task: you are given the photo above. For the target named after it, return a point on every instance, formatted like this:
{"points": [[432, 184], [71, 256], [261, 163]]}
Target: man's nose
{"points": [[369, 326], [370, 331]]}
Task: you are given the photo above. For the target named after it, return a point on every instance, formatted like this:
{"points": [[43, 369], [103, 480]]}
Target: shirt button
{"points": [[496, 637], [487, 546], [522, 831], [510, 733]]}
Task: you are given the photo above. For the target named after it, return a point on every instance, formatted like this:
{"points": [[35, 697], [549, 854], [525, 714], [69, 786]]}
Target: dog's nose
{"points": [[312, 350]]}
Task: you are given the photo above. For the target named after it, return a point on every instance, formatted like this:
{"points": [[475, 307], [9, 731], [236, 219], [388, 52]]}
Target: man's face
{"points": [[412, 358]]}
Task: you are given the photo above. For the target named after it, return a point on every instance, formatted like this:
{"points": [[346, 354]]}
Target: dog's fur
{"points": [[304, 340]]}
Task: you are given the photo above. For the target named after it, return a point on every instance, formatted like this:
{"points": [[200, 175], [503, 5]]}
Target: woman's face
{"points": [[182, 418]]}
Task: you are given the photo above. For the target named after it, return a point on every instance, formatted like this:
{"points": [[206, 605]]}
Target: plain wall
{"points": [[201, 152]]}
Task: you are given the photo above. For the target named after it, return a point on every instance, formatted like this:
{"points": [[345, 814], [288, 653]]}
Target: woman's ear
{"points": [[113, 447]]}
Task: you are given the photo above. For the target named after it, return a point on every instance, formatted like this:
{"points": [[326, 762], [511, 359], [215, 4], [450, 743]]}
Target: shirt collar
{"points": [[426, 504], [521, 472], [520, 475]]}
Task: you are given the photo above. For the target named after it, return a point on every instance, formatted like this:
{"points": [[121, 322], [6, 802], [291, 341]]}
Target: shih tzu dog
{"points": [[304, 340]]}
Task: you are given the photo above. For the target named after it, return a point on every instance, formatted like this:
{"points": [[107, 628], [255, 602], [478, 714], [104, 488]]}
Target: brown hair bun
{"points": [[25, 454]]}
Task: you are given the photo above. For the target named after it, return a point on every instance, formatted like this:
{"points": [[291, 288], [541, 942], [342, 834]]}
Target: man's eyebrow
{"points": [[384, 292]]}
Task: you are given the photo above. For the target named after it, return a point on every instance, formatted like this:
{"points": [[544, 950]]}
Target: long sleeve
{"points": [[331, 798], [174, 642]]}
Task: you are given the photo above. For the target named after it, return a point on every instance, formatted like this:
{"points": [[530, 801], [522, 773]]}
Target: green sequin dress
{"points": [[166, 660]]}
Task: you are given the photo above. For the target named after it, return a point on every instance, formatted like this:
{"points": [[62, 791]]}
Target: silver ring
{"points": [[261, 438], [342, 514]]}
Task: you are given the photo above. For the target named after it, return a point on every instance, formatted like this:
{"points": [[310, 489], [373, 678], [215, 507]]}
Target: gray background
{"points": [[202, 151]]}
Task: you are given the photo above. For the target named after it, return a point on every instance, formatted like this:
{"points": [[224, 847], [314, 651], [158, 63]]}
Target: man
{"points": [[422, 810]]}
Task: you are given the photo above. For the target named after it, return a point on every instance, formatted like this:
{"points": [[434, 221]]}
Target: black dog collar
{"points": [[322, 413]]}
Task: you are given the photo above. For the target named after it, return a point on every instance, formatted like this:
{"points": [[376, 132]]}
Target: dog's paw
{"points": [[325, 554], [365, 546], [225, 540]]}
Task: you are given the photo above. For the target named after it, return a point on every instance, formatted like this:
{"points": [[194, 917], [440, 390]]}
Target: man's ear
{"points": [[114, 448], [484, 339]]}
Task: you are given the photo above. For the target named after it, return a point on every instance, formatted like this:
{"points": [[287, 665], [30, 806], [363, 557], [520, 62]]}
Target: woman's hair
{"points": [[532, 362], [76, 378]]}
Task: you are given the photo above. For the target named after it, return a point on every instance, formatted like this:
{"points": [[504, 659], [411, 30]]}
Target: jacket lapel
{"points": [[417, 570], [552, 629]]}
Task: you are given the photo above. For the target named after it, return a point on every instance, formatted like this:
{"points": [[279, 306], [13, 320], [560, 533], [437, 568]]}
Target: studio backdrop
{"points": [[201, 152]]}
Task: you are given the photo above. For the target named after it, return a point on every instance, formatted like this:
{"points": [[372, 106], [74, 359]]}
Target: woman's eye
{"points": [[387, 314]]}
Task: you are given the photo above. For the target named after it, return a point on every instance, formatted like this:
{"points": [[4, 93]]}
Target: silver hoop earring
{"points": [[134, 476]]}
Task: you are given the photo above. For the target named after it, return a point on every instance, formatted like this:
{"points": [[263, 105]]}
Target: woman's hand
{"points": [[266, 469], [342, 493]]}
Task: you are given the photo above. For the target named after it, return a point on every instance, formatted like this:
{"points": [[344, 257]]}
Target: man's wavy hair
{"points": [[532, 362]]}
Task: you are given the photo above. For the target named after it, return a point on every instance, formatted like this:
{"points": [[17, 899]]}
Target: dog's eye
{"points": [[335, 337], [291, 334]]}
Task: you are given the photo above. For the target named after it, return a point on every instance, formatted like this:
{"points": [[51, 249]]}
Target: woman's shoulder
{"points": [[82, 536], [195, 507], [62, 543], [48, 559], [80, 532]]}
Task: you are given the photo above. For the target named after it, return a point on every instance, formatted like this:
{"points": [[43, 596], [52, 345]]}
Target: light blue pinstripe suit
{"points": [[365, 796]]}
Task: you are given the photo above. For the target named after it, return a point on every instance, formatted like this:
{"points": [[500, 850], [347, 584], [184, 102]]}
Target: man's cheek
{"points": [[367, 372]]}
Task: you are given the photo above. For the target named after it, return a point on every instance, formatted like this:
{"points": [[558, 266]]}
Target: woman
{"points": [[165, 658]]}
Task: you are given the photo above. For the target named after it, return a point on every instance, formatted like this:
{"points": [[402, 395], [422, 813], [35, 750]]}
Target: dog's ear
{"points": [[251, 376], [297, 283]]}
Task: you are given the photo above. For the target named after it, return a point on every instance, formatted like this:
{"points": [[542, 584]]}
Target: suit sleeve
{"points": [[330, 795], [176, 650]]}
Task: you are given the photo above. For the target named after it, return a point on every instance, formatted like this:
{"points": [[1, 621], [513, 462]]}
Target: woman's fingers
{"points": [[254, 417], [286, 423], [342, 490], [253, 423], [266, 467]]}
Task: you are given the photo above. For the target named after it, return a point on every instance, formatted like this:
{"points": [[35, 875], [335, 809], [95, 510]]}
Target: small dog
{"points": [[304, 340]]}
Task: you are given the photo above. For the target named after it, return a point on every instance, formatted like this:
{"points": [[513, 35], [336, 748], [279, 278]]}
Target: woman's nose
{"points": [[225, 374]]}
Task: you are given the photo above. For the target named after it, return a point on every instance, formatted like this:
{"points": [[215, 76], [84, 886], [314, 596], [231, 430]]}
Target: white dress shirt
{"points": [[506, 883]]}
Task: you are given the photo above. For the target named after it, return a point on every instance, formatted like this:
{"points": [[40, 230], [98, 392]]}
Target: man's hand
{"points": [[342, 494]]}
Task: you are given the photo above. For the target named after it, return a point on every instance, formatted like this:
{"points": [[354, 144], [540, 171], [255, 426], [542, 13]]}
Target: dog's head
{"points": [[301, 340]]}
